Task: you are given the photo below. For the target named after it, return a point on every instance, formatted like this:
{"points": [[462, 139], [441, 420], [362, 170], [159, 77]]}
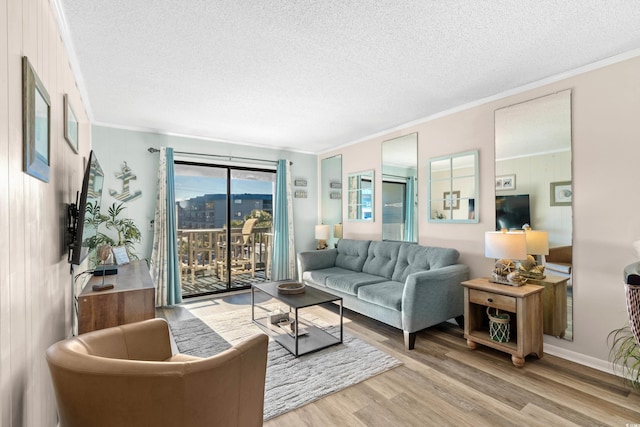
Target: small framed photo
{"points": [[451, 200], [335, 184], [506, 182], [120, 255], [70, 125], [36, 123], [561, 193], [300, 182]]}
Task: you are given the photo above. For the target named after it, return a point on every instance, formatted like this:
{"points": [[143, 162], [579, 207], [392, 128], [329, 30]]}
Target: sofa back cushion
{"points": [[352, 254], [415, 258], [382, 258]]}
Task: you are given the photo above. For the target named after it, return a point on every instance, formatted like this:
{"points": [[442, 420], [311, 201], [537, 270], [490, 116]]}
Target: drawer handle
{"points": [[490, 299]]}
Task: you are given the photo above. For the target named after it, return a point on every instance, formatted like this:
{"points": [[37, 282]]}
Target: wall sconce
{"points": [[322, 234], [505, 246], [537, 244]]}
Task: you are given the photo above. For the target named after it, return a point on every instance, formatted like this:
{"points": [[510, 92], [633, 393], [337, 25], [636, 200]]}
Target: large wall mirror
{"points": [[399, 192], [331, 188], [453, 188], [360, 191], [533, 186]]}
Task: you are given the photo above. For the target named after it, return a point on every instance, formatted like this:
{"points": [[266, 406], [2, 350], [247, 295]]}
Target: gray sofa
{"points": [[405, 285]]}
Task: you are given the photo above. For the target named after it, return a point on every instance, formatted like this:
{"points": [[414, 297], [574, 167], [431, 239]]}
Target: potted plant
{"points": [[127, 233], [624, 354]]}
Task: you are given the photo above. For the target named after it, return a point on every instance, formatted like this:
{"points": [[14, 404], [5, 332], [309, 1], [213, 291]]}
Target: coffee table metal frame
{"points": [[316, 338]]}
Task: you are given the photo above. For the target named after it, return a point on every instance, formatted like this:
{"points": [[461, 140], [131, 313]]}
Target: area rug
{"points": [[290, 382]]}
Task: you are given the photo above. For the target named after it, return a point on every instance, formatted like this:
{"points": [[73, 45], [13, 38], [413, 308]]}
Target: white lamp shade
{"points": [[537, 242], [322, 232], [507, 245], [337, 231]]}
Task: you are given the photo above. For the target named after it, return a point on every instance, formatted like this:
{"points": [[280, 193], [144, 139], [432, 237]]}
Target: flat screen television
{"points": [[512, 212], [80, 231]]}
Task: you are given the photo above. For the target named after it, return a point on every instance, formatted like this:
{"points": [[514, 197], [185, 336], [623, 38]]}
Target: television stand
{"points": [[132, 299]]}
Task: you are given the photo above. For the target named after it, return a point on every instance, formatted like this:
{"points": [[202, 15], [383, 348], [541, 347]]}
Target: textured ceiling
{"points": [[315, 74]]}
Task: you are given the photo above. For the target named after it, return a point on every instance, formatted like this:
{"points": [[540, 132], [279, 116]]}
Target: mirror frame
{"points": [[473, 196], [354, 195], [401, 164]]}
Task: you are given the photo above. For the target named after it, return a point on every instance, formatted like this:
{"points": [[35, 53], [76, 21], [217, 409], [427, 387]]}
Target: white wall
{"points": [[35, 279], [606, 130], [115, 146]]}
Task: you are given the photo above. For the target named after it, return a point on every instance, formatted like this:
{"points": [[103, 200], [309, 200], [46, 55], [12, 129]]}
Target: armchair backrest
{"points": [[125, 376]]}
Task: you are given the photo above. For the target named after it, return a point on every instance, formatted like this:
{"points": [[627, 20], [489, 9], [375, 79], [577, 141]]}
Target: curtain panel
{"points": [[165, 269]]}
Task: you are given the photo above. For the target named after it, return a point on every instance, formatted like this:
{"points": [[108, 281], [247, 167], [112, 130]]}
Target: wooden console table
{"points": [[132, 299], [525, 305]]}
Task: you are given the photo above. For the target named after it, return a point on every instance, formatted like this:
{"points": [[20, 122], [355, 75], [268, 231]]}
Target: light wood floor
{"points": [[443, 383]]}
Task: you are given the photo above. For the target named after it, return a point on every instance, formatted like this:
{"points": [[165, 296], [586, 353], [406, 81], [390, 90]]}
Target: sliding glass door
{"points": [[224, 217]]}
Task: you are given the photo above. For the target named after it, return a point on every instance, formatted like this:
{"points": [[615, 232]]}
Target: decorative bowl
{"points": [[291, 288]]}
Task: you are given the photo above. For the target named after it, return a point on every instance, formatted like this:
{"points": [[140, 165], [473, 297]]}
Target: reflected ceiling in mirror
{"points": [[399, 188]]}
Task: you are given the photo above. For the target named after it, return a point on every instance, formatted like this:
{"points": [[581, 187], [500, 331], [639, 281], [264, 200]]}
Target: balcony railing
{"points": [[203, 257]]}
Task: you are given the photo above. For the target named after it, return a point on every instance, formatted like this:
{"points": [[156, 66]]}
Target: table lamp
{"points": [[322, 234], [537, 244], [505, 246]]}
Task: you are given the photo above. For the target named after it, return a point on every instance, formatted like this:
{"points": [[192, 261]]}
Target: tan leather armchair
{"points": [[127, 376]]}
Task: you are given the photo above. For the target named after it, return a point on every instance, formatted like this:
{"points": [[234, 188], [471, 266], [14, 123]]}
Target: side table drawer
{"points": [[489, 299]]}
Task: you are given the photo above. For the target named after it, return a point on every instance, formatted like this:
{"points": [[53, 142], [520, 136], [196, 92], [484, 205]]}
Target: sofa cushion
{"points": [[352, 254], [319, 277], [382, 258], [349, 283], [387, 294], [414, 258]]}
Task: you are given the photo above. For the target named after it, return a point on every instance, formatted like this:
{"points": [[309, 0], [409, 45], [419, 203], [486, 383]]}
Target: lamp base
{"points": [[505, 281], [322, 244]]}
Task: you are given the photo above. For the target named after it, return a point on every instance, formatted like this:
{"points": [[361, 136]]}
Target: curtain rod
{"points": [[220, 156]]}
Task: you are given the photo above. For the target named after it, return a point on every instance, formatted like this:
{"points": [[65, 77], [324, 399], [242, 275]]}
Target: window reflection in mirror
{"points": [[453, 188], [399, 189], [360, 187], [533, 155], [331, 175]]}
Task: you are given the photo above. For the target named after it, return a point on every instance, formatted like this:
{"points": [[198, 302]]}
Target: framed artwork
{"points": [[70, 125], [36, 124], [561, 193], [506, 182], [451, 200]]}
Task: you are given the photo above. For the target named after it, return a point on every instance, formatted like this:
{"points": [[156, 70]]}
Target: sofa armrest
{"points": [[316, 260], [433, 296]]}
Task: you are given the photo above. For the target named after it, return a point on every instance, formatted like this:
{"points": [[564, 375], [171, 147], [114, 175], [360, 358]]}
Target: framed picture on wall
{"points": [[451, 200], [506, 182], [561, 193], [70, 125], [36, 123]]}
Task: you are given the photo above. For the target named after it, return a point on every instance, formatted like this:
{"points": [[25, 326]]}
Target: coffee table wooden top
{"points": [[311, 296]]}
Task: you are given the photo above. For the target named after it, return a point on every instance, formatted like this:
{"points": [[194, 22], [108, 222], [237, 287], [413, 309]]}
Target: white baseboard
{"points": [[592, 362]]}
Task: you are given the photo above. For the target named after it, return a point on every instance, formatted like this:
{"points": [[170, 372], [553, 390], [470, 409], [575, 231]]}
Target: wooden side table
{"points": [[524, 303], [554, 304]]}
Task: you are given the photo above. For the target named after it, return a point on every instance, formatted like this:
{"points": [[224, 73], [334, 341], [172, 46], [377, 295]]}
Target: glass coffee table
{"points": [[305, 337]]}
